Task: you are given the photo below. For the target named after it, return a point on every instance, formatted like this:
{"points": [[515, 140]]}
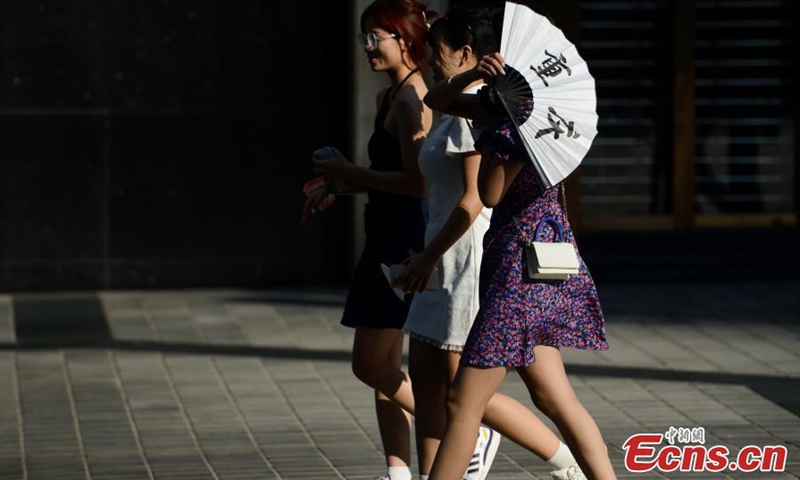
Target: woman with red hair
{"points": [[394, 38]]}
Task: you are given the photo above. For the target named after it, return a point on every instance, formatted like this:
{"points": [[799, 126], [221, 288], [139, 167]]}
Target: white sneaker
{"points": [[483, 456], [573, 472]]}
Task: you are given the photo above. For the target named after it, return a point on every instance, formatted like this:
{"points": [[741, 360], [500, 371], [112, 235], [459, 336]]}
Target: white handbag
{"points": [[551, 260], [555, 260]]}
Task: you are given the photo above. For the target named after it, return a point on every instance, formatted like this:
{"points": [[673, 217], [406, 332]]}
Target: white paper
{"points": [[392, 271]]}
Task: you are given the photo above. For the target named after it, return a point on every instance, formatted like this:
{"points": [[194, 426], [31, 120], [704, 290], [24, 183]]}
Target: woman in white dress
{"points": [[439, 320]]}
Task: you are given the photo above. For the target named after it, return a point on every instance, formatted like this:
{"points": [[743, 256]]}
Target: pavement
{"points": [[243, 384]]}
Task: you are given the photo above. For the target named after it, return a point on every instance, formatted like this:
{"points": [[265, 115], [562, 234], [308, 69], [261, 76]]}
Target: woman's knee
{"points": [[366, 371], [454, 403], [553, 407], [543, 403]]}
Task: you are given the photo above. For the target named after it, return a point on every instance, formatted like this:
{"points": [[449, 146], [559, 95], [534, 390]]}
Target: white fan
{"points": [[542, 66]]}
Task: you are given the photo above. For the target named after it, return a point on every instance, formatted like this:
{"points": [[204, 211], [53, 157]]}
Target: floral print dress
{"points": [[517, 313]]}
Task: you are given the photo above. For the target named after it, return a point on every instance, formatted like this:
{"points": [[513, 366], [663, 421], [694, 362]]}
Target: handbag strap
{"points": [[547, 220], [556, 227]]}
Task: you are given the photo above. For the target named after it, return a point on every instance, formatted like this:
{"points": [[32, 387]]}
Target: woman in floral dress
{"points": [[521, 322]]}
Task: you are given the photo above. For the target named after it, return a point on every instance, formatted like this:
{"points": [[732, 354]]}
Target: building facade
{"points": [[164, 144]]}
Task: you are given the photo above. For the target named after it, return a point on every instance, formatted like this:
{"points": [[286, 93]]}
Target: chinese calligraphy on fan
{"points": [[553, 67], [556, 127]]}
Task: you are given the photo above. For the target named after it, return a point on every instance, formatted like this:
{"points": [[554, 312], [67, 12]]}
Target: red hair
{"points": [[407, 18]]}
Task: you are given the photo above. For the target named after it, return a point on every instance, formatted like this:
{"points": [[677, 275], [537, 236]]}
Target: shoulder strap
{"points": [[563, 197], [528, 241]]}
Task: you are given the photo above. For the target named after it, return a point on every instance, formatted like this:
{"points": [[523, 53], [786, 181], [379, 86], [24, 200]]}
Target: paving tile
{"points": [[7, 334], [232, 384]]}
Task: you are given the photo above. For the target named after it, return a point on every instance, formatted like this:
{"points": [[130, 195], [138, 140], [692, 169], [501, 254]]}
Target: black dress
{"points": [[395, 229]]}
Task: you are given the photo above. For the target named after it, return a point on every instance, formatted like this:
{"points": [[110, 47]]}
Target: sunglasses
{"points": [[372, 39]]}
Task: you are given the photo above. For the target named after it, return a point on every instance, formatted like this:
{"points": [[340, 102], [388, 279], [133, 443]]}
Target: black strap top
{"points": [[383, 148]]}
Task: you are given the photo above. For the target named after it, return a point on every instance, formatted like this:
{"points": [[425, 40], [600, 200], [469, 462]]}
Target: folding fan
{"points": [[544, 69]]}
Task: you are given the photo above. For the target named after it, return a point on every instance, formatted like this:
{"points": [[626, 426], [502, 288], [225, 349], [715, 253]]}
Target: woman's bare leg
{"points": [[466, 400], [377, 361], [394, 424], [427, 371], [512, 419], [552, 394]]}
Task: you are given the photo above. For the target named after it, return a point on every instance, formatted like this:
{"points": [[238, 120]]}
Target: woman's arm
{"points": [[447, 97], [465, 212], [412, 122], [494, 178], [420, 267]]}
